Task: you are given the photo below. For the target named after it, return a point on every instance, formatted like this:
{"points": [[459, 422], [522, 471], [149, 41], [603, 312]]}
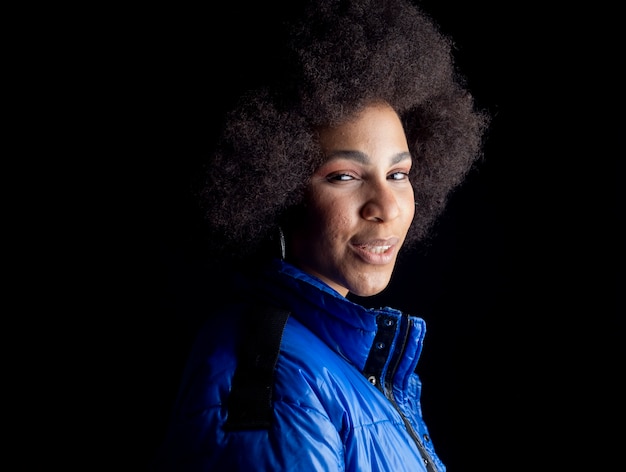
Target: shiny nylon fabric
{"points": [[328, 417]]}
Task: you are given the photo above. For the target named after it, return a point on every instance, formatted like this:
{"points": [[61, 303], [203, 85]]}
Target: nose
{"points": [[381, 204]]}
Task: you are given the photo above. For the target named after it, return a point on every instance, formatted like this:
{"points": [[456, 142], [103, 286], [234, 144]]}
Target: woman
{"points": [[323, 175]]}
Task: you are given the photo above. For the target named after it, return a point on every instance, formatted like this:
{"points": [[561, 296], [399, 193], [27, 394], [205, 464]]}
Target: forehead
{"points": [[375, 127]]}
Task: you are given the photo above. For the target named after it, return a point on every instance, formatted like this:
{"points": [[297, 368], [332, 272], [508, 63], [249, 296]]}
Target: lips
{"points": [[376, 251]]}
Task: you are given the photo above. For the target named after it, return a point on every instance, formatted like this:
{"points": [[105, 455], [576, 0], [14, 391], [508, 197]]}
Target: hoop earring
{"points": [[281, 240]]}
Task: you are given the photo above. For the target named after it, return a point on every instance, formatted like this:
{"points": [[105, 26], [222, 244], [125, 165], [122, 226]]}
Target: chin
{"points": [[369, 289], [364, 294]]}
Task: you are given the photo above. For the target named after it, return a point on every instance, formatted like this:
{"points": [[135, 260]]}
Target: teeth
{"points": [[378, 249]]}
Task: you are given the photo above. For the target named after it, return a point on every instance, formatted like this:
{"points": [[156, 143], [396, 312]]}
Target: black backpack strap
{"points": [[250, 399]]}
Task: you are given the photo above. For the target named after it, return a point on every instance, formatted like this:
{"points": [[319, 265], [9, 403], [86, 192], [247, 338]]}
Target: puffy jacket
{"points": [[345, 393]]}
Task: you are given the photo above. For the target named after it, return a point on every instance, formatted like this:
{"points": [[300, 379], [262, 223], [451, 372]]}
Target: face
{"points": [[359, 204]]}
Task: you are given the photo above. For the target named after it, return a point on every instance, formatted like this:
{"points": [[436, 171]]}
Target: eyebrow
{"points": [[363, 158]]}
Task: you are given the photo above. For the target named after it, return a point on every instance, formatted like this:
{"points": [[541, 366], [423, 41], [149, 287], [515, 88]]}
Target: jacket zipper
{"points": [[430, 465], [388, 392]]}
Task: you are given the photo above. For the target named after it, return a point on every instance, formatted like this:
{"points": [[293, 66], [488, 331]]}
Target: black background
{"points": [[522, 287]]}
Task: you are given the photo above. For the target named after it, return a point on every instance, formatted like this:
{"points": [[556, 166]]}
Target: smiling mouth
{"points": [[376, 246], [376, 249]]}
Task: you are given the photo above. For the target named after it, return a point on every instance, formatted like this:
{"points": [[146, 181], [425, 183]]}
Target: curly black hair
{"points": [[335, 57]]}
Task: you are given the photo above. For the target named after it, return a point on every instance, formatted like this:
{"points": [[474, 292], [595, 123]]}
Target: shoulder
{"points": [[313, 377]]}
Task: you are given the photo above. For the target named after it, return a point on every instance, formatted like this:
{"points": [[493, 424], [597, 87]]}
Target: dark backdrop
{"points": [[521, 287]]}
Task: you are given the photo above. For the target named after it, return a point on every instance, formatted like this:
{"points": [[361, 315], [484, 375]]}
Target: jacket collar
{"points": [[346, 327]]}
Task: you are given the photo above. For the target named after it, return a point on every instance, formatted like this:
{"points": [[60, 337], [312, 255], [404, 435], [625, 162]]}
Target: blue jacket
{"points": [[346, 396]]}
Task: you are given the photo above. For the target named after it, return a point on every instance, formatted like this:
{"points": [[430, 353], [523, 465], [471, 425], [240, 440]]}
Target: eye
{"points": [[399, 176], [340, 177]]}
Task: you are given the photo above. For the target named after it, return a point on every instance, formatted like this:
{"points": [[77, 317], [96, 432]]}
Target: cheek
{"points": [[332, 217], [409, 205], [411, 210]]}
